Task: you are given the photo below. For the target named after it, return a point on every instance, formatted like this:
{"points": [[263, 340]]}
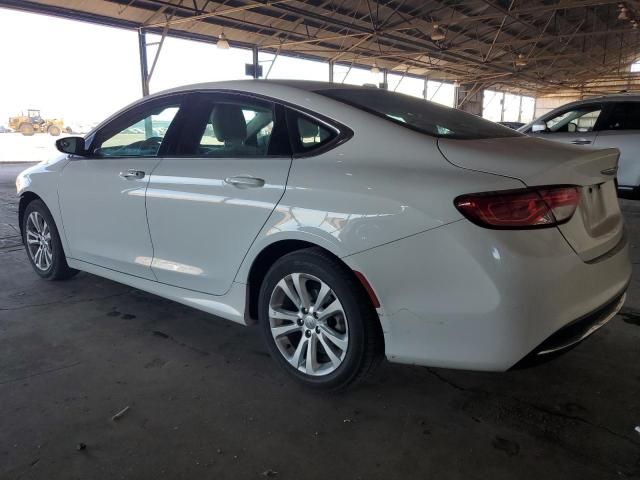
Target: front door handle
{"points": [[132, 174], [581, 141], [245, 182]]}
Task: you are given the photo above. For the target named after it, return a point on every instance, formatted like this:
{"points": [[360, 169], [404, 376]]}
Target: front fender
{"points": [[41, 180]]}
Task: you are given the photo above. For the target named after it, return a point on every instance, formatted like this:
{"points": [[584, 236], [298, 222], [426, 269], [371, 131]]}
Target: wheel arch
{"points": [[25, 199], [263, 261]]}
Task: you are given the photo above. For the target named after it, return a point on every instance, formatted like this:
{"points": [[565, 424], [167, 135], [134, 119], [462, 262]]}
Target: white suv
{"points": [[611, 121]]}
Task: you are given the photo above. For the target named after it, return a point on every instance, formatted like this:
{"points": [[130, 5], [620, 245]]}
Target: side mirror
{"points": [[72, 146], [538, 127]]}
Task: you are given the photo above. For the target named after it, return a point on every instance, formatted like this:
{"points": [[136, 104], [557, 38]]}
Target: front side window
{"points": [[142, 133], [417, 114], [577, 120], [624, 116]]}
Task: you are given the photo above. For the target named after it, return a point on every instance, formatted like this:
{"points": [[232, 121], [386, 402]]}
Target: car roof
{"points": [[265, 86], [618, 97]]}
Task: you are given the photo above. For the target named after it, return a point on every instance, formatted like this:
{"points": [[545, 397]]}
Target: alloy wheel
{"points": [[308, 324], [38, 237]]}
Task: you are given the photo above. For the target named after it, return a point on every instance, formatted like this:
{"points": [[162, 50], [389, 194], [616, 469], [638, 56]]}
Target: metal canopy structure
{"points": [[533, 46]]}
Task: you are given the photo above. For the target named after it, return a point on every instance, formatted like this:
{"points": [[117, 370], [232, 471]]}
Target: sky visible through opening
{"points": [[85, 72]]}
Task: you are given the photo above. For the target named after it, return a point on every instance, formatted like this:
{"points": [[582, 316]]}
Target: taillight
{"points": [[527, 208]]}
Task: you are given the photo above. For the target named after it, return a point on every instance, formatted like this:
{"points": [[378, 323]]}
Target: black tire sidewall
{"points": [[340, 281], [58, 267]]}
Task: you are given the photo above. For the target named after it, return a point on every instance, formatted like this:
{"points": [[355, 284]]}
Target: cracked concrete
{"points": [[207, 402]]}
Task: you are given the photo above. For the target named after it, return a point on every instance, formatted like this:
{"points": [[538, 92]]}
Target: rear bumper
{"points": [[573, 333], [461, 296]]}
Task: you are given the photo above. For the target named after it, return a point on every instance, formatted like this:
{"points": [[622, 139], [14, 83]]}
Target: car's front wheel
{"points": [[317, 320], [42, 242]]}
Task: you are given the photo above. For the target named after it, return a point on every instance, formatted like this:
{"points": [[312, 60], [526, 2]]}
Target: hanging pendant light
{"points": [[521, 61], [437, 33], [223, 43], [623, 12], [375, 70]]}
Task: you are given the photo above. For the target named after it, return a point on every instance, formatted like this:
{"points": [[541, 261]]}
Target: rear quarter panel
{"points": [[385, 183], [628, 142]]}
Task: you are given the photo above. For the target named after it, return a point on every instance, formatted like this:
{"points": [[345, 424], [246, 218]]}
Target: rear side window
{"points": [[308, 134], [219, 125], [234, 129], [624, 116], [420, 115]]}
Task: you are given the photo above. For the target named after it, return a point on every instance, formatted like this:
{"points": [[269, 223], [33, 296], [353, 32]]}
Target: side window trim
{"points": [[342, 132], [132, 112], [604, 113]]}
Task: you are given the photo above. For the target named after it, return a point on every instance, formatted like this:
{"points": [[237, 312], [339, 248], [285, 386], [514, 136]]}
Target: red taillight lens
{"points": [[527, 208]]}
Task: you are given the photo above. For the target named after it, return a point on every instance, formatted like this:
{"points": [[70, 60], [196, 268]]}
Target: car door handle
{"points": [[245, 182], [132, 174], [581, 141]]}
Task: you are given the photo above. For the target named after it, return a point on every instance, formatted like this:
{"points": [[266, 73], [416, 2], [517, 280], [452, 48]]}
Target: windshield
{"points": [[421, 115]]}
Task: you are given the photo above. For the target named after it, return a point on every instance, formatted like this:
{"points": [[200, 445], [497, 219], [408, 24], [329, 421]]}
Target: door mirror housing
{"points": [[539, 127], [72, 146]]}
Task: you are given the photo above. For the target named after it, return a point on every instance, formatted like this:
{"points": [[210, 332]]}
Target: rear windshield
{"points": [[420, 115]]}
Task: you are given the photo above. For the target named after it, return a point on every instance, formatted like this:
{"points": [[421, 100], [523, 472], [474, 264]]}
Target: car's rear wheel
{"points": [[42, 242], [317, 321]]}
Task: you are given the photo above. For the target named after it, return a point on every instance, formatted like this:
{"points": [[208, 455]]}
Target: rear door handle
{"points": [[132, 174], [581, 141], [245, 182]]}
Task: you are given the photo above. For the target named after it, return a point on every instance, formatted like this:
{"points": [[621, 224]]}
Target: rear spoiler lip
{"points": [[572, 169]]}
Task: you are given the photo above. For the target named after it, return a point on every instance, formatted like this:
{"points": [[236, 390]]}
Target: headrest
{"points": [[228, 122]]}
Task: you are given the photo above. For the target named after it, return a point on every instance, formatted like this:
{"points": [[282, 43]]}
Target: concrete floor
{"points": [[206, 401]]}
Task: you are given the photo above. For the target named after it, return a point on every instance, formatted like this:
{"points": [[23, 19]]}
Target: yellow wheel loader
{"points": [[32, 123]]}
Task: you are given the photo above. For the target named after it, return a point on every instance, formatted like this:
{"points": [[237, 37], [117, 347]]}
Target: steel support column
{"points": [[331, 71], [144, 68], [256, 63]]}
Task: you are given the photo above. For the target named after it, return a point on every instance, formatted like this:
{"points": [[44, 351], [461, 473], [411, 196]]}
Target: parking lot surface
{"points": [[206, 401]]}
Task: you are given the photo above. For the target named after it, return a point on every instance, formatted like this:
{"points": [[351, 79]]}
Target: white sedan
{"points": [[348, 222]]}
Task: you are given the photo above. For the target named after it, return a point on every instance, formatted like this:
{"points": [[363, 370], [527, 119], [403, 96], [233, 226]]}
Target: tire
{"points": [[54, 131], [51, 263], [26, 129], [353, 333]]}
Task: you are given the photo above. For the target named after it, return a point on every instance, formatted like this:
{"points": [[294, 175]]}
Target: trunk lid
{"points": [[597, 226]]}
